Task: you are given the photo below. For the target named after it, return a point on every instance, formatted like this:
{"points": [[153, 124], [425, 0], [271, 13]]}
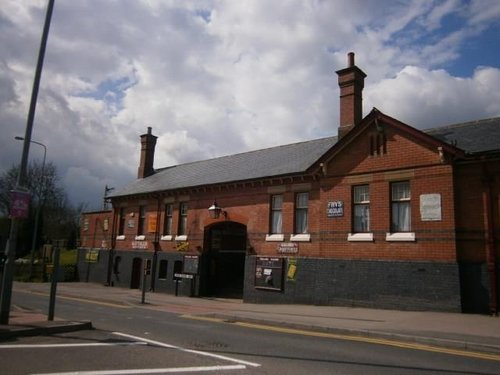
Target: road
{"points": [[141, 340]]}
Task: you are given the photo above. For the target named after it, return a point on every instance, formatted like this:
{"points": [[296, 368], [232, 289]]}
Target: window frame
{"points": [[168, 219], [398, 224], [182, 225], [276, 227], [365, 205], [401, 229], [121, 222], [141, 220], [301, 212]]}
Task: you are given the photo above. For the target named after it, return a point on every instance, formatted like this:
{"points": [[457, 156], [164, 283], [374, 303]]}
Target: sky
{"points": [[221, 77]]}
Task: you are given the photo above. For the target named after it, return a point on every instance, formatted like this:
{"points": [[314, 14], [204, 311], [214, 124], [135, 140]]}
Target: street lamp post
{"points": [[38, 207], [10, 250]]}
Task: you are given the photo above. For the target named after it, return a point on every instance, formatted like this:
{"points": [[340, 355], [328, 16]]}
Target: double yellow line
{"points": [[78, 299], [370, 340]]}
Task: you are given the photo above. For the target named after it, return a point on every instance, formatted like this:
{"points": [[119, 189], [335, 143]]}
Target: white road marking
{"points": [[42, 346], [152, 370], [161, 344]]}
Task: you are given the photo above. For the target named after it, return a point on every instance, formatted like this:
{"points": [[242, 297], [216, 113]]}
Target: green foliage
{"points": [[58, 219], [42, 272]]}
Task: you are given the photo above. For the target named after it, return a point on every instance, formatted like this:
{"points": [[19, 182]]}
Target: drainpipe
{"points": [[112, 245], [490, 238]]}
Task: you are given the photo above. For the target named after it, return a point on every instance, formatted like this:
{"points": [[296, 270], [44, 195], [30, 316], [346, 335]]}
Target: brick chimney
{"points": [[148, 143], [351, 83]]}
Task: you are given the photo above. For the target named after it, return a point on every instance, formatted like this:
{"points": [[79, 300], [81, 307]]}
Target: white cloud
{"points": [[424, 98], [221, 77]]}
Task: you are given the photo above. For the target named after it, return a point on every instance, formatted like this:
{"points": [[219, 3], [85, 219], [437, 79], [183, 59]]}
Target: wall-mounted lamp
{"points": [[214, 211], [131, 214]]}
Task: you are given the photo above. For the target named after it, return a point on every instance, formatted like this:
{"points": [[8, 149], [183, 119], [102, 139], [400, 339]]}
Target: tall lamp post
{"points": [[10, 250], [39, 206]]}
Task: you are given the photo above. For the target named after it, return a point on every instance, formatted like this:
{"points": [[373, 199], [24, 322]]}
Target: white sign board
{"points": [[430, 207]]}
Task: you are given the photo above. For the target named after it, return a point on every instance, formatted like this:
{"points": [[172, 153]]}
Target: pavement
{"points": [[479, 333]]}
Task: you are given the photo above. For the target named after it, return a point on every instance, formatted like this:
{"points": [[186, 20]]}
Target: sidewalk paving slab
{"points": [[24, 322]]}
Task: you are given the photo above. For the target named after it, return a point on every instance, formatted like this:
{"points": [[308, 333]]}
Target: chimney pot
{"points": [[350, 59]]}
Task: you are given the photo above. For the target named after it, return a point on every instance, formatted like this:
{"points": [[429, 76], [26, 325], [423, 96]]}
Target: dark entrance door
{"points": [[135, 280], [224, 260]]}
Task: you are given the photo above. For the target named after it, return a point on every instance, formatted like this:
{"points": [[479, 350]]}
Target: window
{"points": [[301, 220], [361, 211], [162, 269], [121, 225], [400, 207], [142, 220], [183, 209], [167, 224], [276, 214], [116, 265]]}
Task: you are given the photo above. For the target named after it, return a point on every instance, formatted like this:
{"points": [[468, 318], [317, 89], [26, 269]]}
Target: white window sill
{"points": [[300, 237], [360, 237], [275, 237], [120, 237], [166, 238], [181, 238], [403, 236], [142, 237]]}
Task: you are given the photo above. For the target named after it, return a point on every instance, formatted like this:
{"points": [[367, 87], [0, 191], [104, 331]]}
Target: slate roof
{"points": [[276, 161], [472, 137]]}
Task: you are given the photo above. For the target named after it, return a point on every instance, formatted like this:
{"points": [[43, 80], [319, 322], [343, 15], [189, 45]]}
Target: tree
{"points": [[57, 216]]}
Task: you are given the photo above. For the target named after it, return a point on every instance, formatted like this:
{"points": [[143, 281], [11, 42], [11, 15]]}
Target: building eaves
{"points": [[271, 162], [472, 137]]}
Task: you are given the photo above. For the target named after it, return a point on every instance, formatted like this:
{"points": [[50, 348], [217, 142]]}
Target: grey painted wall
{"points": [[376, 284]]}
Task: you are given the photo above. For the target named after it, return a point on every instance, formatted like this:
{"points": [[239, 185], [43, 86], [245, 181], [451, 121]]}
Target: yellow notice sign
{"points": [[152, 221], [292, 269], [92, 256]]}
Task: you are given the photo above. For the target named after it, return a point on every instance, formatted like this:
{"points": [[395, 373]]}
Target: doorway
{"points": [[224, 260], [135, 280]]}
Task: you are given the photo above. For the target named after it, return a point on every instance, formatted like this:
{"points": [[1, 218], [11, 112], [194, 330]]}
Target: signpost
{"points": [[145, 273], [54, 278]]}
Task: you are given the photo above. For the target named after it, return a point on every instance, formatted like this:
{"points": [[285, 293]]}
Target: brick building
{"points": [[381, 215]]}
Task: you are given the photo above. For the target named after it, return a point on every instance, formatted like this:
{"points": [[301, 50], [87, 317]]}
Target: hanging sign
{"points": [[20, 204]]}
